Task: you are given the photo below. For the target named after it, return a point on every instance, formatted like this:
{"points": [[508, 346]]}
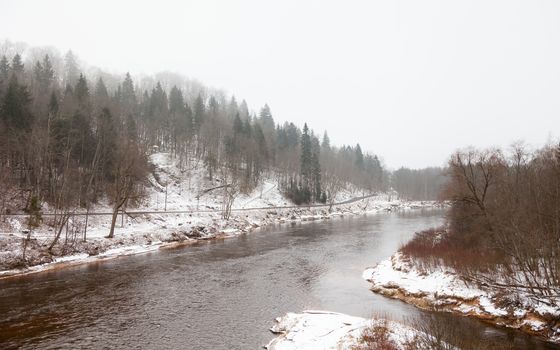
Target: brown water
{"points": [[217, 295]]}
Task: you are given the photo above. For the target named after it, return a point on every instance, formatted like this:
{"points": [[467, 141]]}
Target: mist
{"points": [[410, 81]]}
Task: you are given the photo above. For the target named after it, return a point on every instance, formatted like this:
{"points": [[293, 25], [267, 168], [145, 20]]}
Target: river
{"points": [[216, 295]]}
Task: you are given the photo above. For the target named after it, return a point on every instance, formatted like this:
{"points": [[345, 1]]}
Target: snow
{"points": [[174, 188], [443, 289], [329, 330], [395, 272], [487, 305]]}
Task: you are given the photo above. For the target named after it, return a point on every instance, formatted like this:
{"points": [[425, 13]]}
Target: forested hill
{"points": [[71, 135]]}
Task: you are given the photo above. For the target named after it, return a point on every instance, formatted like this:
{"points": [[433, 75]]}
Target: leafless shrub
{"points": [[503, 228], [376, 337]]}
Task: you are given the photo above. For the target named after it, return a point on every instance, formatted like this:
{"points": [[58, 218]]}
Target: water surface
{"points": [[216, 295]]}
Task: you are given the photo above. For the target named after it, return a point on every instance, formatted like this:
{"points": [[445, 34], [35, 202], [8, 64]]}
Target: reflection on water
{"points": [[215, 295]]}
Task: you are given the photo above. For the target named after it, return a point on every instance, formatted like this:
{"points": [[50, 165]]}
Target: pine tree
{"points": [[48, 71], [198, 112], [306, 171], [237, 125], [128, 95], [4, 68], [108, 138], [38, 72], [316, 169], [359, 157], [176, 102], [326, 143], [53, 104], [244, 110], [232, 108], [44, 73], [71, 69], [17, 65], [101, 94], [81, 92], [15, 106], [265, 118]]}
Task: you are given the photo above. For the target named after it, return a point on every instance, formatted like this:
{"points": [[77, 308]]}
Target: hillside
{"points": [[199, 219]]}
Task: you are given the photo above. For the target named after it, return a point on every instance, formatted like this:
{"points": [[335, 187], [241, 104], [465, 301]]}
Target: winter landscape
{"points": [[281, 175]]}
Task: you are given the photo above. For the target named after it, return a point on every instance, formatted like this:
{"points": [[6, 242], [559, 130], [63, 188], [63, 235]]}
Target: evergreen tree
{"points": [[176, 102], [316, 169], [48, 71], [38, 72], [71, 69], [306, 167], [101, 95], [44, 73], [244, 110], [17, 65], [158, 104], [326, 143], [15, 106], [53, 104], [198, 111], [233, 109], [128, 95], [265, 118], [237, 125], [81, 93], [359, 157], [108, 139], [4, 68]]}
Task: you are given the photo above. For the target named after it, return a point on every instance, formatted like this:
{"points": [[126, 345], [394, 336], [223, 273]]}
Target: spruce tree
{"points": [[71, 69], [15, 106], [128, 95], [266, 120], [48, 71], [38, 72], [4, 68], [359, 157], [198, 111], [17, 65], [100, 95], [316, 169], [53, 104], [326, 143], [81, 92], [306, 163]]}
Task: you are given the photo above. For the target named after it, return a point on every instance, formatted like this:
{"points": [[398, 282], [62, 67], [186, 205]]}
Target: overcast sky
{"points": [[409, 80]]}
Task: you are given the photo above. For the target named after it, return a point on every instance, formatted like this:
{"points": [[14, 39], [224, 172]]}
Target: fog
{"points": [[411, 81]]}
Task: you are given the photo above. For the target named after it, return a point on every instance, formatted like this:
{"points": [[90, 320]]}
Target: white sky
{"points": [[409, 80]]}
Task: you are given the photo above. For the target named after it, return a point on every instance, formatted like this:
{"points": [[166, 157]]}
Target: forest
{"points": [[72, 135]]}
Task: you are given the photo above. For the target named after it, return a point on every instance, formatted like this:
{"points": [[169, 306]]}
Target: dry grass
{"points": [[376, 337], [437, 247], [435, 332]]}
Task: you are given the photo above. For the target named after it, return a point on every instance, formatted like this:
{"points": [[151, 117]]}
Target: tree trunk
{"points": [[113, 222]]}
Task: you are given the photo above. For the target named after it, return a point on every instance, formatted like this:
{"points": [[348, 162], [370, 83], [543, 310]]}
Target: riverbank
{"points": [[311, 330], [443, 290], [150, 232]]}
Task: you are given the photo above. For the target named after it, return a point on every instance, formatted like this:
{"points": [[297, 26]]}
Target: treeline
{"points": [[419, 184], [504, 223], [69, 138]]}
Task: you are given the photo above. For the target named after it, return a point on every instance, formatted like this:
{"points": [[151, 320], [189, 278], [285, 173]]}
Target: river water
{"points": [[216, 295]]}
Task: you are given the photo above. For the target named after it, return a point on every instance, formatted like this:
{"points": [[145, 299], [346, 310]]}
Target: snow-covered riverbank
{"points": [[330, 330], [155, 231], [172, 189], [443, 290]]}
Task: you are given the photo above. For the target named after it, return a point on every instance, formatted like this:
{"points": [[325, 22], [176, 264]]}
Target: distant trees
{"points": [[419, 184]]}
